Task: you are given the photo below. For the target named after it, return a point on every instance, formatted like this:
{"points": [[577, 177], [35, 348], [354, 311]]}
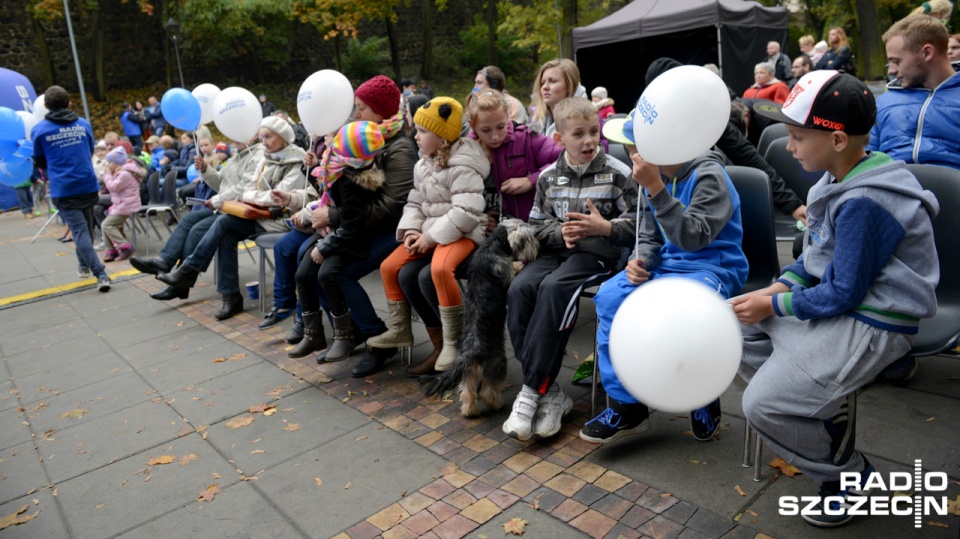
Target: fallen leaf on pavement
{"points": [[515, 526], [15, 519], [257, 452], [449, 468], [292, 427], [953, 506], [74, 414], [346, 487], [261, 408], [55, 491], [318, 481], [220, 360], [937, 524], [216, 475], [238, 356], [162, 459], [255, 441], [240, 421], [187, 459], [99, 505], [208, 494], [788, 469], [360, 438], [180, 324], [739, 490], [270, 411]]}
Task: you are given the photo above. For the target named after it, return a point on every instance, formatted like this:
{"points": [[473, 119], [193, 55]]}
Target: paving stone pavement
{"points": [[97, 388]]}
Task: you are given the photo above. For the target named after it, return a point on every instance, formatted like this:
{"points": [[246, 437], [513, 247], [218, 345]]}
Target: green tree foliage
{"points": [[365, 59], [541, 25], [475, 54]]}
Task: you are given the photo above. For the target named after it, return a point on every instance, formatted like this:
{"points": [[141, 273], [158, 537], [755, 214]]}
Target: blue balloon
{"points": [[24, 149], [7, 148], [180, 108], [15, 170], [192, 173], [11, 125]]}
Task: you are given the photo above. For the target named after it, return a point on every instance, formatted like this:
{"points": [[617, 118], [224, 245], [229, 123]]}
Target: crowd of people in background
{"points": [[414, 182]]}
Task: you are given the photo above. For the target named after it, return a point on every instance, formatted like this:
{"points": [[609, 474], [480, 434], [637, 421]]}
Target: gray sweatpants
{"points": [[799, 374]]}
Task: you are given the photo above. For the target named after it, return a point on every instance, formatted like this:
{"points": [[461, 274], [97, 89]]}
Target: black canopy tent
{"points": [[615, 52]]}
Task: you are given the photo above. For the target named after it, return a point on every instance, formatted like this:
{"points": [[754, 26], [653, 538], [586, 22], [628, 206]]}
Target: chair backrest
{"points": [[168, 194], [759, 235], [153, 189], [944, 183], [790, 169], [770, 134], [619, 151]]}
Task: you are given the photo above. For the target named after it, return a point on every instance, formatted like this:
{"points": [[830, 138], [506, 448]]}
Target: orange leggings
{"points": [[445, 260]]}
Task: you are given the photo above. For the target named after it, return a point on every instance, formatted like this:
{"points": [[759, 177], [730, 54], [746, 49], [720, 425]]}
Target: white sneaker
{"points": [[520, 423], [552, 407], [100, 246]]}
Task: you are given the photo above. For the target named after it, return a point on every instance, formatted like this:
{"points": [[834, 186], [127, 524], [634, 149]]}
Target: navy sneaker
{"points": [[103, 283], [616, 422], [705, 421], [901, 370], [274, 317], [834, 514]]}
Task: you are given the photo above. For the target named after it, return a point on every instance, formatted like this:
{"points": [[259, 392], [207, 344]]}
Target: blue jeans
{"points": [[286, 254], [609, 297], [187, 235], [79, 223], [222, 238], [25, 199], [361, 310]]}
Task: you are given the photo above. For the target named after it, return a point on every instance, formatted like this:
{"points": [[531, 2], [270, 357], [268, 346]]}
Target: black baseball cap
{"points": [[827, 100]]}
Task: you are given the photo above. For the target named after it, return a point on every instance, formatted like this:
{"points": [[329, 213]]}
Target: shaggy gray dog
{"points": [[481, 367]]}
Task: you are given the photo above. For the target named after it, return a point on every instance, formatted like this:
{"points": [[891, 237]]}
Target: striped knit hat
{"points": [[354, 146], [358, 140]]}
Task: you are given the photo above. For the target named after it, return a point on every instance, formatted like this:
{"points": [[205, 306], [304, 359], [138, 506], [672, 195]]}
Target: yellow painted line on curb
{"points": [[62, 288]]}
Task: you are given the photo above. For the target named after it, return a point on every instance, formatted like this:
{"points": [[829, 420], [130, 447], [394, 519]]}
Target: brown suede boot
{"points": [[426, 366]]}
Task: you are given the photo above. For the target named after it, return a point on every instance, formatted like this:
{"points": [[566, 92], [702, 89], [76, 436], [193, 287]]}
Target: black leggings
{"points": [[418, 287]]}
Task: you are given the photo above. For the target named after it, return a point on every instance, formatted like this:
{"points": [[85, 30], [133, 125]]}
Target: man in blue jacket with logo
{"points": [[63, 146], [919, 121]]}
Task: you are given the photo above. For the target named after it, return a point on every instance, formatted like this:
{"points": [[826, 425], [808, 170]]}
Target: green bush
{"points": [[365, 59]]}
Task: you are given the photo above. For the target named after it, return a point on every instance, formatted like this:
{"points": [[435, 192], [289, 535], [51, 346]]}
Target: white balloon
{"points": [[29, 120], [325, 102], [680, 115], [675, 345], [206, 93], [237, 114], [39, 109]]}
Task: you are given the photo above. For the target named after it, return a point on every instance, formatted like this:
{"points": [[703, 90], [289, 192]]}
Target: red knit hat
{"points": [[380, 94]]}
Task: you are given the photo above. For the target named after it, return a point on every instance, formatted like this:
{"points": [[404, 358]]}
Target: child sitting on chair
{"points": [[852, 302]]}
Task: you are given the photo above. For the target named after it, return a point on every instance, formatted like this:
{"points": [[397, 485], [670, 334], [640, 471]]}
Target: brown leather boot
{"points": [[426, 366]]}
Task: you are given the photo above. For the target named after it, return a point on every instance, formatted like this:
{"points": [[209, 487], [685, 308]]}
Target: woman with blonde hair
{"points": [[838, 55], [806, 45], [557, 80], [938, 9]]}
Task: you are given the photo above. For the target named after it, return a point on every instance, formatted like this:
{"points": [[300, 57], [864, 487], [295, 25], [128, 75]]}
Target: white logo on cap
{"points": [[799, 103]]}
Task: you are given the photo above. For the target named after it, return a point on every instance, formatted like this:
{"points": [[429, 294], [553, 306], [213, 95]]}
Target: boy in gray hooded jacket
{"points": [[852, 302]]}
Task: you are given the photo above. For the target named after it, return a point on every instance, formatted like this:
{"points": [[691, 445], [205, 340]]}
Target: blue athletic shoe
{"points": [[835, 514], [705, 421]]}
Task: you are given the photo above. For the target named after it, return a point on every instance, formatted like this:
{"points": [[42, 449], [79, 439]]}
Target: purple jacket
{"points": [[523, 153]]}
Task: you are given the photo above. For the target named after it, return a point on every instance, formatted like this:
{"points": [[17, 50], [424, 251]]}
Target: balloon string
{"points": [[636, 238]]}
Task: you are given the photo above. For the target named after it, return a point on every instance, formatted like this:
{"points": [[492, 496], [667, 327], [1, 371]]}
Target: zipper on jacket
{"points": [[919, 135]]}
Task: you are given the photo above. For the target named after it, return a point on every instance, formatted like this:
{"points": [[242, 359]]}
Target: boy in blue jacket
{"points": [[851, 303], [690, 228]]}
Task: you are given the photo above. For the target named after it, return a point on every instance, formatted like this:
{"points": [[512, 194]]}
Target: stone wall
{"points": [[134, 47]]}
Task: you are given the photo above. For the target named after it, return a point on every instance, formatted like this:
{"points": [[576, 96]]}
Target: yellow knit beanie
{"points": [[442, 116]]}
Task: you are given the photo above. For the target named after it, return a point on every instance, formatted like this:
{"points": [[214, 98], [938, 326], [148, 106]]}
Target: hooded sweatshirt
{"points": [[868, 251], [446, 204], [738, 149], [63, 145], [693, 225]]}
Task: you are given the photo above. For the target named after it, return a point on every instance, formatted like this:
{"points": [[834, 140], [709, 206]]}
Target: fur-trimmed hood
{"points": [[370, 178]]}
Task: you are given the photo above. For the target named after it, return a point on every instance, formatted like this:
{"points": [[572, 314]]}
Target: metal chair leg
{"points": [[262, 276], [757, 459], [747, 432]]}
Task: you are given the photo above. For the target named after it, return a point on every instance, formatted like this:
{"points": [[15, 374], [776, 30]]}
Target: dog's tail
{"points": [[438, 384]]}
